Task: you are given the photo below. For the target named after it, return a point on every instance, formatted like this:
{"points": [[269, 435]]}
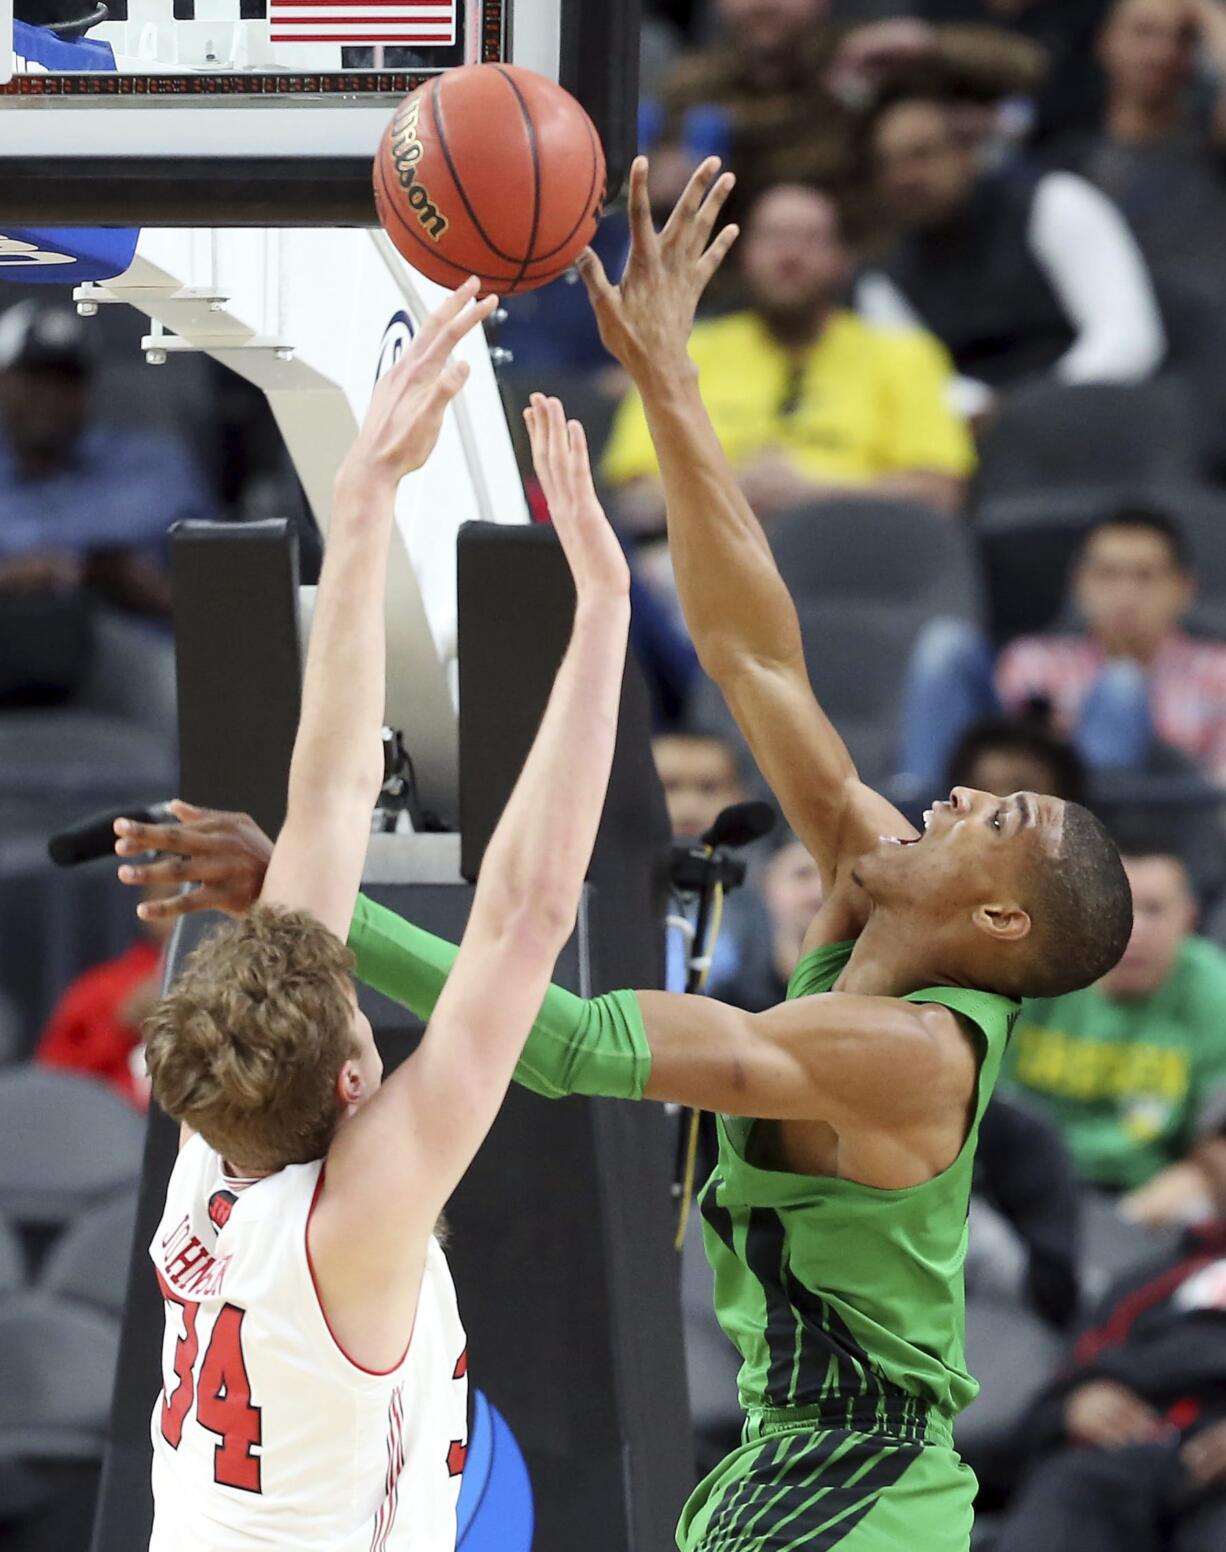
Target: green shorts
{"points": [[813, 1488]]}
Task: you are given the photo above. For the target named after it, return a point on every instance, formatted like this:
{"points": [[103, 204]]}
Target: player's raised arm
{"points": [[392, 1168], [337, 765], [736, 605]]}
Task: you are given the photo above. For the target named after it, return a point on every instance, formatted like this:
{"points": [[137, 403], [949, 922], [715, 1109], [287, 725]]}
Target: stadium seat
{"points": [[57, 1365], [12, 1261], [1011, 1353], [12, 1034], [866, 577], [89, 1262], [1201, 513], [65, 1142], [84, 759], [879, 552], [1086, 442], [580, 392], [1028, 545], [1111, 1245]]}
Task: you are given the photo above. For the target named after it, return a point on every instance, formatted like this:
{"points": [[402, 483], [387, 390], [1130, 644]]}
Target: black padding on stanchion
{"points": [[239, 663]]}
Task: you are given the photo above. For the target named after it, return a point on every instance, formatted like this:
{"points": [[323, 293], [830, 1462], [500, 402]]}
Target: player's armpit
{"points": [[857, 1063]]}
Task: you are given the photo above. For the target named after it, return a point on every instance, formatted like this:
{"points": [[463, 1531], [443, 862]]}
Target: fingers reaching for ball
{"points": [[560, 456], [406, 409], [645, 321]]}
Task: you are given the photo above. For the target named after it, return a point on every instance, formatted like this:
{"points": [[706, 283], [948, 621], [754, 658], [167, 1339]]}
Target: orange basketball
{"points": [[493, 171]]}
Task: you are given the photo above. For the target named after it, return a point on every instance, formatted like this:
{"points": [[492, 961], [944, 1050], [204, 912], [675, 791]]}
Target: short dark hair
{"points": [[1153, 519], [1081, 910], [1020, 735]]}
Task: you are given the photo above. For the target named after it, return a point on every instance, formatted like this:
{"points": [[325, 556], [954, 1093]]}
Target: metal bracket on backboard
{"points": [[159, 345], [94, 294]]}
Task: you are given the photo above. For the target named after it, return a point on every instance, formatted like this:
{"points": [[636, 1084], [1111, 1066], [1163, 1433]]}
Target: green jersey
{"points": [[1123, 1079], [843, 1298]]}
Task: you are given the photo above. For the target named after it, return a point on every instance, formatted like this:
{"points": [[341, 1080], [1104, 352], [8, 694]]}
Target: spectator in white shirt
{"points": [[1023, 275]]}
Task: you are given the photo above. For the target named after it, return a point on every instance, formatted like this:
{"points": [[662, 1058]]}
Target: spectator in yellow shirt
{"points": [[809, 401]]}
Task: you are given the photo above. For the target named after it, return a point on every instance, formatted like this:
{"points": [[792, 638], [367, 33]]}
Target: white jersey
{"points": [[267, 1435]]}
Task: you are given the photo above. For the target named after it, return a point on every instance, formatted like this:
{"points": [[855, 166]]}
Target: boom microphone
{"points": [[740, 824], [95, 837]]}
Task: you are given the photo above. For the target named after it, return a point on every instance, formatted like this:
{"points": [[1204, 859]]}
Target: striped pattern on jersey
{"points": [[805, 1490], [814, 1360]]}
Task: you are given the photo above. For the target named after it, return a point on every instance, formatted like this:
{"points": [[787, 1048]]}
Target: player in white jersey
{"points": [[314, 1364]]}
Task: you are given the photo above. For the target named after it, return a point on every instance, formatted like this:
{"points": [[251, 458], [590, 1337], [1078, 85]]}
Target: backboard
{"points": [[262, 112]]}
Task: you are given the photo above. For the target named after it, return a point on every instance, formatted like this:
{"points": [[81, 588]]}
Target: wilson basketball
{"points": [[493, 171]]}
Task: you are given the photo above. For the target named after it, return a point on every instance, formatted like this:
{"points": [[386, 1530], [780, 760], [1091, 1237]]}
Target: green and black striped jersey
{"points": [[842, 1297]]}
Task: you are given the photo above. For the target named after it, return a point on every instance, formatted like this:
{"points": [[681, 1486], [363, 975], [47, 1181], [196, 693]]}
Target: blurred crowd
{"points": [[967, 361]]}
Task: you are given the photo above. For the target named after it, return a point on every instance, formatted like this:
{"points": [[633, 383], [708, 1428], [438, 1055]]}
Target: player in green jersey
{"points": [[836, 1215]]}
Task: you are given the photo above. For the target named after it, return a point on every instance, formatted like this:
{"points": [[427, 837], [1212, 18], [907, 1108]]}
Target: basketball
{"points": [[494, 171]]}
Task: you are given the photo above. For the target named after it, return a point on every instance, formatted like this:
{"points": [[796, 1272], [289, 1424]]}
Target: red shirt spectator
{"points": [[95, 1029], [1186, 677], [1131, 586]]}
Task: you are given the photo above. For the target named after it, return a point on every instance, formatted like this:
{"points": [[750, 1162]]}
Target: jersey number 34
{"points": [[221, 1392]]}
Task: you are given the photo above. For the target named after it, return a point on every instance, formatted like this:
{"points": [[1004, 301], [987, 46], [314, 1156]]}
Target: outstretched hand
{"points": [[225, 855], [406, 410], [645, 321], [560, 456]]}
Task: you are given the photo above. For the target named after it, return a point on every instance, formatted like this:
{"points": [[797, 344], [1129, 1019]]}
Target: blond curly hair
{"points": [[246, 1046]]}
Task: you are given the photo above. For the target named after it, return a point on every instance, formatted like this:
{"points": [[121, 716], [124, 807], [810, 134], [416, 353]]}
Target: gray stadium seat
{"points": [[89, 1262], [580, 392], [879, 552], [1011, 1353], [80, 757], [12, 1033], [1201, 514], [12, 1261], [1111, 1245], [1085, 441], [65, 1141], [866, 577], [1029, 543], [57, 1367]]}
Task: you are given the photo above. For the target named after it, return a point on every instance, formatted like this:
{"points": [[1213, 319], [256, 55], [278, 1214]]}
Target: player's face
{"points": [[1163, 913], [974, 854], [924, 171]]}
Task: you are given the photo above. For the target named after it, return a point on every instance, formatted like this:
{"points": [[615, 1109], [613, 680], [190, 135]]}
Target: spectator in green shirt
{"points": [[1123, 1067]]}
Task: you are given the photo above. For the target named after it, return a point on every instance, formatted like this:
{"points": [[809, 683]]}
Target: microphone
{"points": [[95, 837], [740, 825], [698, 865]]}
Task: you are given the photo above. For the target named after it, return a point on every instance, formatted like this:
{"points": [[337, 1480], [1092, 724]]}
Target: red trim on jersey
{"points": [[336, 1341]]}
